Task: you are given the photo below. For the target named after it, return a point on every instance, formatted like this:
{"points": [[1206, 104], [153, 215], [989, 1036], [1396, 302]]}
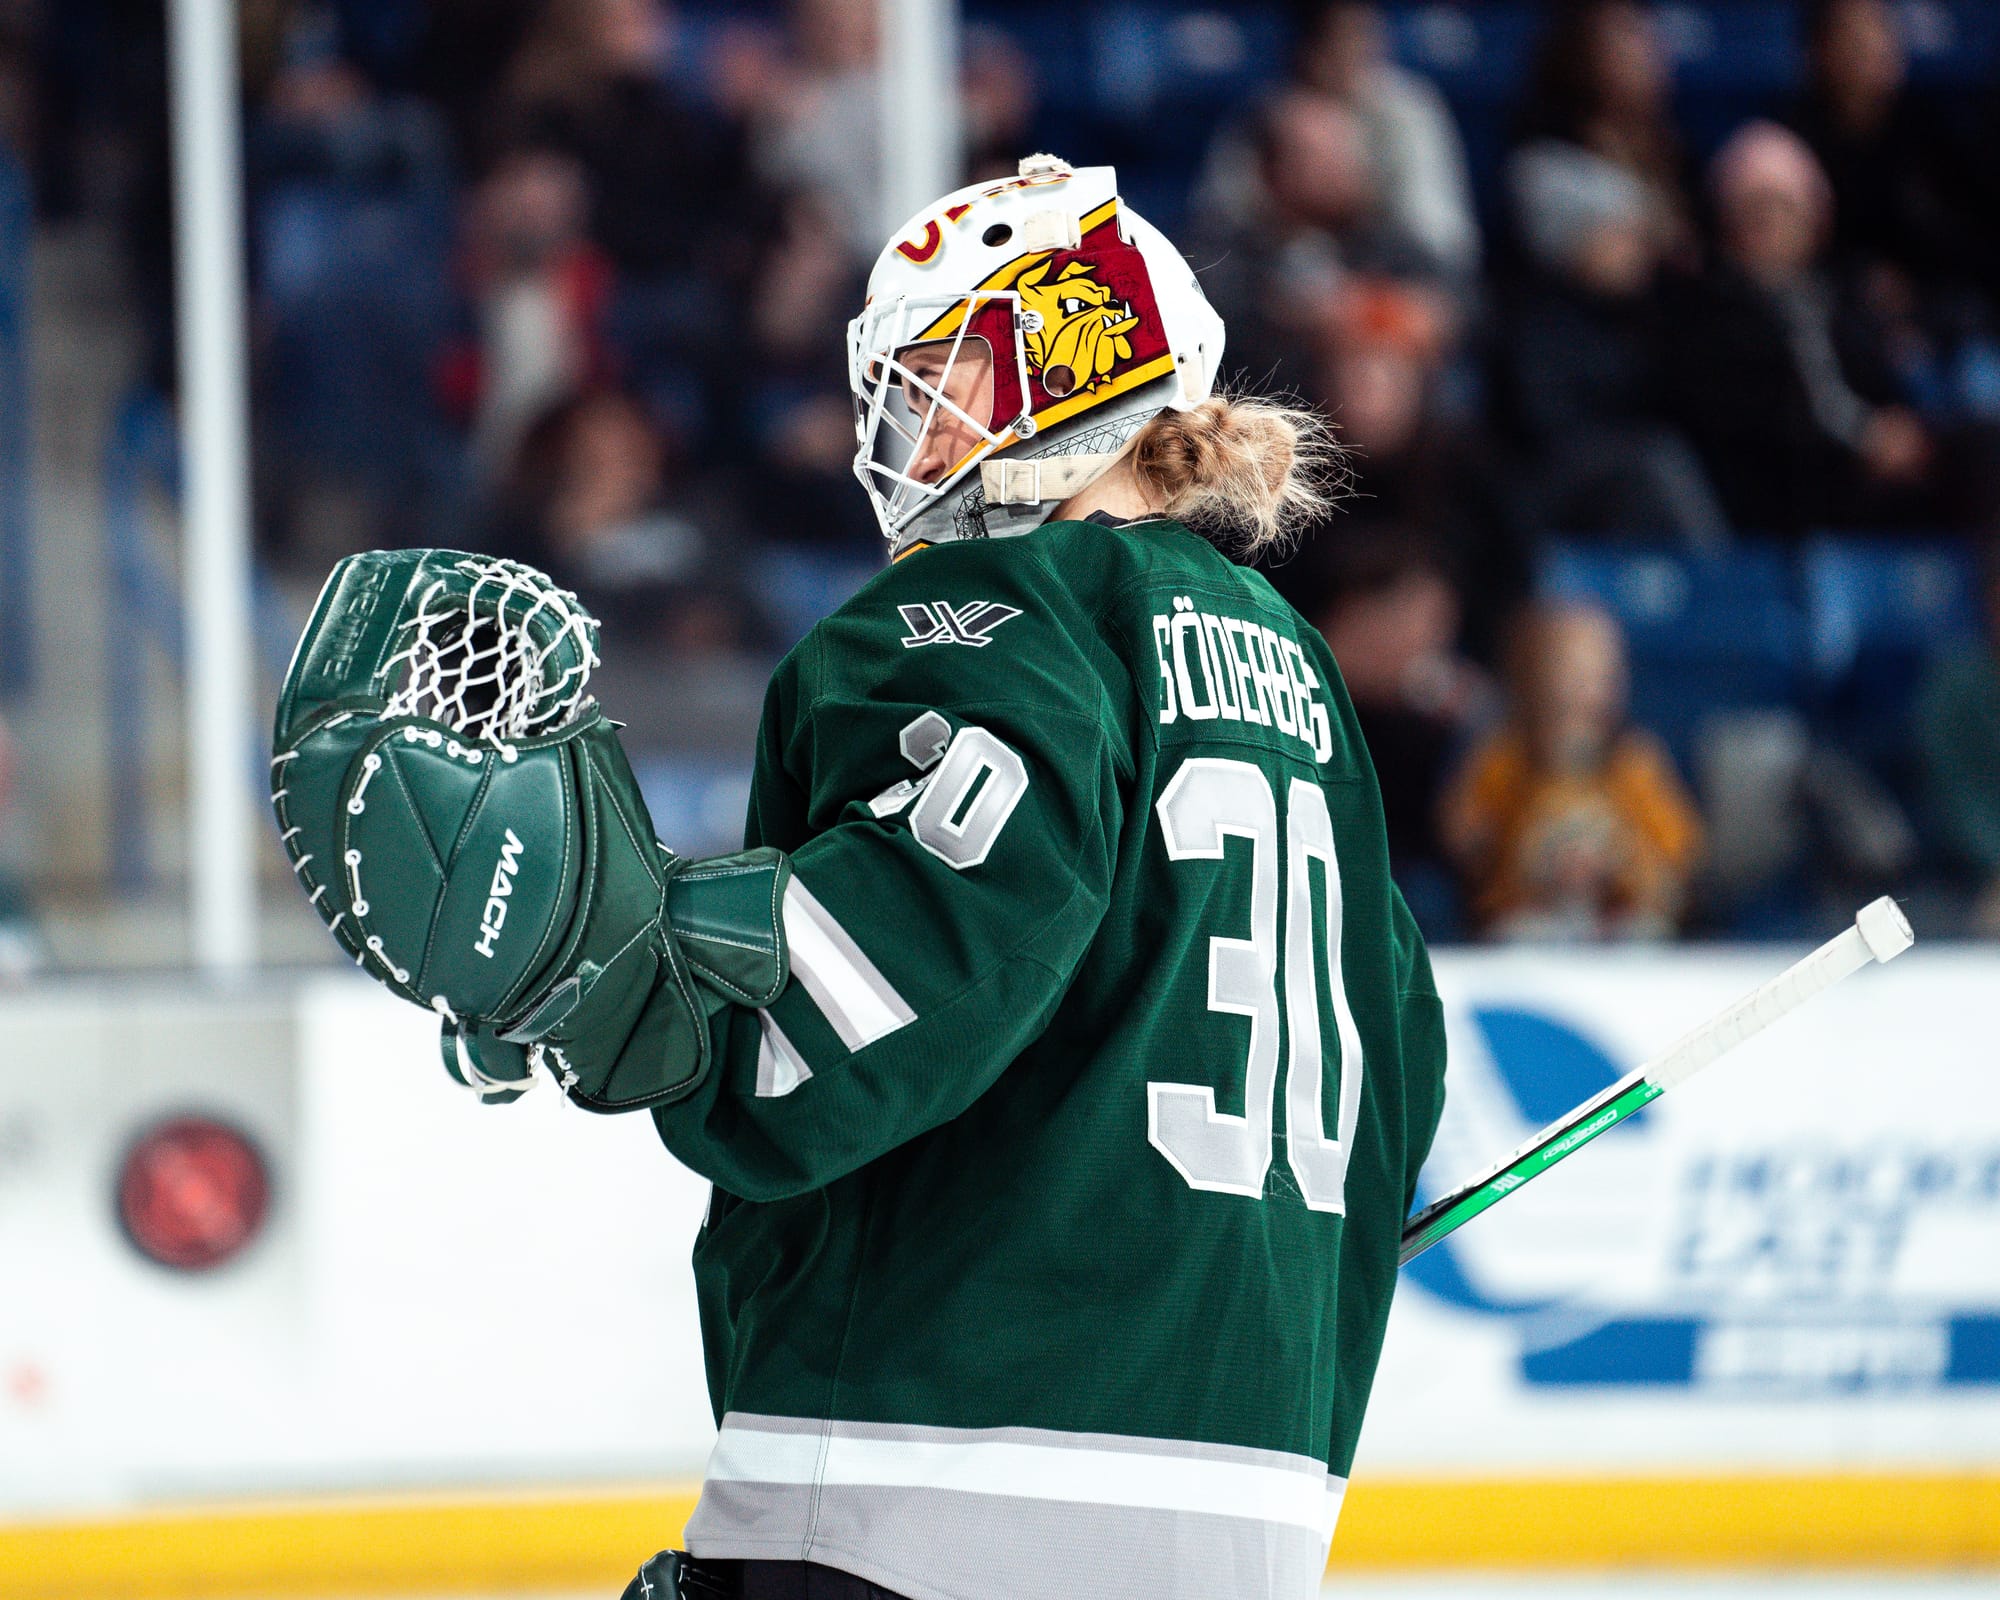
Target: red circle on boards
{"points": [[193, 1193]]}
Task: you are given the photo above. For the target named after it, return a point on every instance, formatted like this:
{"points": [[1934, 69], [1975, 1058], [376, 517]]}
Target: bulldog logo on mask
{"points": [[1083, 331]]}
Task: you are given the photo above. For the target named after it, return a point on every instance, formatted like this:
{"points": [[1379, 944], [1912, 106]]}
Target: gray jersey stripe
{"points": [[860, 1004], [936, 1544]]}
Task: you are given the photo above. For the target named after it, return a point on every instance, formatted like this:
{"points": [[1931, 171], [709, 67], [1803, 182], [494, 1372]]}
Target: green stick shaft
{"points": [[1880, 933], [1534, 1158]]}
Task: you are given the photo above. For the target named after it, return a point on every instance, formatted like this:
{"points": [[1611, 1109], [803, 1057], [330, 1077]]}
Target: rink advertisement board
{"points": [[1791, 1263], [1792, 1260]]}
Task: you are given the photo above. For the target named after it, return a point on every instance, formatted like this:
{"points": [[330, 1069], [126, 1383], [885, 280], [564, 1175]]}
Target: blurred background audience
{"points": [[1786, 375], [1958, 731], [1567, 821], [1416, 163], [1583, 359], [21, 951], [1602, 82], [1391, 611], [1666, 340]]}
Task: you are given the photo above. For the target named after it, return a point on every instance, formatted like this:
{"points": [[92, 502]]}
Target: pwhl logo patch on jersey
{"points": [[941, 622]]}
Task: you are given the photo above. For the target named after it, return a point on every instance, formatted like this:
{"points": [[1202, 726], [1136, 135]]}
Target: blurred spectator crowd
{"points": [[1666, 339]]}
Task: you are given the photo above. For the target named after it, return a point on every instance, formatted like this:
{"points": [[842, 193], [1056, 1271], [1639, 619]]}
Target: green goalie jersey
{"points": [[1058, 1195]]}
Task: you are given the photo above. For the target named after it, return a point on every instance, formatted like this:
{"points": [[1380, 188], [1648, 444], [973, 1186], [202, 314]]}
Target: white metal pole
{"points": [[922, 136], [215, 500]]}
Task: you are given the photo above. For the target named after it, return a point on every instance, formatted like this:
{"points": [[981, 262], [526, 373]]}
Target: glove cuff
{"points": [[727, 914], [635, 1032]]}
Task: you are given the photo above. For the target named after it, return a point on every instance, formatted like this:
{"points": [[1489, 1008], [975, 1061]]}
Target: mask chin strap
{"points": [[1033, 483]]}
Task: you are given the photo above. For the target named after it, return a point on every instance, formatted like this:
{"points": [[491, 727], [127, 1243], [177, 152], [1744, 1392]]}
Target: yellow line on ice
{"points": [[593, 1541], [1887, 1520], [408, 1545]]}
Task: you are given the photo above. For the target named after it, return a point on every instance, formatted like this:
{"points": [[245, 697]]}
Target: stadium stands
{"points": [[16, 555], [393, 279]]}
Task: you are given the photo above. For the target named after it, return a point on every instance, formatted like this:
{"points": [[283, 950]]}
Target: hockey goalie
{"points": [[1059, 1049]]}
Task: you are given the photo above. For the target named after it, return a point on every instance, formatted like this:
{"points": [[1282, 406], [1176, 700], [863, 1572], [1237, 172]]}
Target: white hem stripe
{"points": [[859, 1003], [1306, 1497]]}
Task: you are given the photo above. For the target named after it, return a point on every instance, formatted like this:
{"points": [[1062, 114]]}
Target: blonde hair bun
{"points": [[1242, 467]]}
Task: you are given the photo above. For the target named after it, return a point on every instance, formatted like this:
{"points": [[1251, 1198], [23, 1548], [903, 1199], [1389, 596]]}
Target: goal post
{"points": [[215, 499], [923, 137]]}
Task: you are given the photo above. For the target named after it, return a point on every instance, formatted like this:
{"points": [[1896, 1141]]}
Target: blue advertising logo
{"points": [[1782, 1264]]}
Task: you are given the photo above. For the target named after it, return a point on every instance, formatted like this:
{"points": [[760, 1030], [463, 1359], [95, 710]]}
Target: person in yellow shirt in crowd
{"points": [[1567, 821]]}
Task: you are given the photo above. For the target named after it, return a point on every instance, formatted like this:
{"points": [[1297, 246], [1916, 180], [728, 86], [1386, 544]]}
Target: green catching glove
{"points": [[463, 818]]}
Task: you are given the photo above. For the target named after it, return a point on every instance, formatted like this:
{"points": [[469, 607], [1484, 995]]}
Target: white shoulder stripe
{"points": [[780, 1067], [857, 1000]]}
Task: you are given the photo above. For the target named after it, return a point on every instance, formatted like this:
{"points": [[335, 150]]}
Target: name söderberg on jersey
{"points": [[1223, 667]]}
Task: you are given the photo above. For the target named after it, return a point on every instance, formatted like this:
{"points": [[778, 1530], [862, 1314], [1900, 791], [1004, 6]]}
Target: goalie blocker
{"points": [[463, 818]]}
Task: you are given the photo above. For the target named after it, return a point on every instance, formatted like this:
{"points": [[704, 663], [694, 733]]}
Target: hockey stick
{"points": [[1880, 933]]}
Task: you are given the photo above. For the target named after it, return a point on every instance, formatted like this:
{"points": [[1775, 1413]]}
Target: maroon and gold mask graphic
{"points": [[1082, 335], [1091, 330]]}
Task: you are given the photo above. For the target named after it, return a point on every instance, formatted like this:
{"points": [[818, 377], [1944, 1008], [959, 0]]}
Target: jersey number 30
{"points": [[1209, 800]]}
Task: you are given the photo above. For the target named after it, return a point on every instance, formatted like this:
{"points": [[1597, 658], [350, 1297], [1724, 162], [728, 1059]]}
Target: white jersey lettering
{"points": [[1214, 666]]}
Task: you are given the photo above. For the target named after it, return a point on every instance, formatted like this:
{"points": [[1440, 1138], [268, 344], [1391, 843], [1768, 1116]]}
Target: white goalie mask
{"points": [[1015, 337]]}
